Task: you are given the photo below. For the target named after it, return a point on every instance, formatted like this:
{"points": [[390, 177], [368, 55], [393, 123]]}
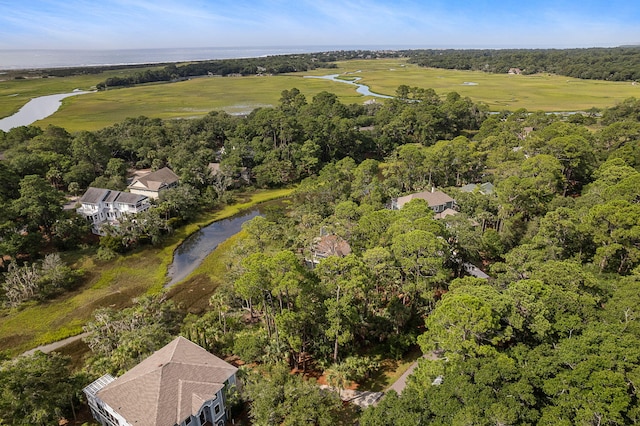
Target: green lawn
{"points": [[112, 283], [196, 97]]}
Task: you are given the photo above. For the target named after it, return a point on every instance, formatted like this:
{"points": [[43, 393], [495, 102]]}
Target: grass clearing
{"points": [[390, 371], [238, 95], [114, 283]]}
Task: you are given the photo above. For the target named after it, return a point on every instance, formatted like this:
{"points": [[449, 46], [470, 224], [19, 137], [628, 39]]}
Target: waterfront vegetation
{"points": [[551, 338], [114, 283], [239, 95]]}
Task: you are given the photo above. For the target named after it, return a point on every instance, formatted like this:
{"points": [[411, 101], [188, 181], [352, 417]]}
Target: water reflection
{"points": [[190, 254]]}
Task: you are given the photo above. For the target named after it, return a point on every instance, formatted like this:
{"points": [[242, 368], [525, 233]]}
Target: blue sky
{"points": [[118, 24]]}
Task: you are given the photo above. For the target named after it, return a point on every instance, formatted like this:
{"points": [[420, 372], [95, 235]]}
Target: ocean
{"points": [[37, 59]]}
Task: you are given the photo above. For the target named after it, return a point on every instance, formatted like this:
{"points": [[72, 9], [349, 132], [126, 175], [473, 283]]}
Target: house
{"points": [[474, 271], [180, 384], [446, 212], [514, 71], [483, 188], [328, 245], [244, 174], [437, 200], [153, 183], [99, 206]]}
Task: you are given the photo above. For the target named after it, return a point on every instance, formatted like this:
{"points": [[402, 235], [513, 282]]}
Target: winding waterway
{"points": [[195, 248], [363, 89], [36, 109]]}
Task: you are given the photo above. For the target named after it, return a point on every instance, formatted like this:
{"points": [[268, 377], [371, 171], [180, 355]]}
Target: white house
{"points": [[180, 384], [153, 183], [99, 206]]}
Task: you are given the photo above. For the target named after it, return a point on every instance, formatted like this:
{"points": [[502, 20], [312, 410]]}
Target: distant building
{"points": [[99, 206], [244, 174], [180, 384], [514, 71], [483, 188], [474, 271], [329, 245], [153, 183], [437, 200], [445, 213]]}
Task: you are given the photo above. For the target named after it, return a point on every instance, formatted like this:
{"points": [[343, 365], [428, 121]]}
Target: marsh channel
{"points": [[36, 109]]}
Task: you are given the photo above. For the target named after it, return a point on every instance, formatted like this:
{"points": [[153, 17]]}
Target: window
{"points": [[216, 409], [188, 421]]}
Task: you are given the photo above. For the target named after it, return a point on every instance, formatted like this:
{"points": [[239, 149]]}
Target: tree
{"points": [[467, 322], [344, 281], [120, 339], [616, 231], [37, 281], [421, 257], [38, 389], [283, 398], [529, 190], [39, 204]]}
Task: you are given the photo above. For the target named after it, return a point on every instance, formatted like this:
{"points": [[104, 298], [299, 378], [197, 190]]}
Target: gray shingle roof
{"points": [[94, 195], [129, 198], [156, 180], [168, 386]]}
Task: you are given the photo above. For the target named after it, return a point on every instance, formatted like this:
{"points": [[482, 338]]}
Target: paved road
{"points": [[401, 383], [55, 345]]}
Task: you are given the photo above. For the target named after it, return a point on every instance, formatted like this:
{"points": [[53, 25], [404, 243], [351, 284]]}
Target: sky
{"points": [[136, 24]]}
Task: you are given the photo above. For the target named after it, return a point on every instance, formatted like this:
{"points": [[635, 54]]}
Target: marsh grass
{"points": [[15, 93], [238, 95], [114, 284]]}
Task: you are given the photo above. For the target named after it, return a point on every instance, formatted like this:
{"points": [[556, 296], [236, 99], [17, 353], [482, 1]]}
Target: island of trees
{"points": [[552, 337]]}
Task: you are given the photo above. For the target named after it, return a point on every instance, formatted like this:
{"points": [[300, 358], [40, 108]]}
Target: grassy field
{"points": [[196, 97], [15, 93], [499, 91], [113, 283]]}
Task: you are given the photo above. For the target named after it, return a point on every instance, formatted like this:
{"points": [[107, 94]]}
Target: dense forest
{"points": [[552, 337], [613, 64]]}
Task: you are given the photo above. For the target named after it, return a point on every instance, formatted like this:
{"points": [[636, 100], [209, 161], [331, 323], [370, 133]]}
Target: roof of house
{"points": [[331, 245], [484, 188], [433, 198], [129, 198], [168, 386], [155, 181], [214, 168], [97, 195], [445, 213], [94, 195]]}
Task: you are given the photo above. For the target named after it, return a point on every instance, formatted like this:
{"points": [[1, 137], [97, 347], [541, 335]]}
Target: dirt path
{"points": [[55, 345]]}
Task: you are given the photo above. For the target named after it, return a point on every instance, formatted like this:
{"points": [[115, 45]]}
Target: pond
{"points": [[195, 248], [362, 88], [36, 109]]}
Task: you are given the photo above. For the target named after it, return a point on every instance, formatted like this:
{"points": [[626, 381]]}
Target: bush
{"points": [[250, 345]]}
